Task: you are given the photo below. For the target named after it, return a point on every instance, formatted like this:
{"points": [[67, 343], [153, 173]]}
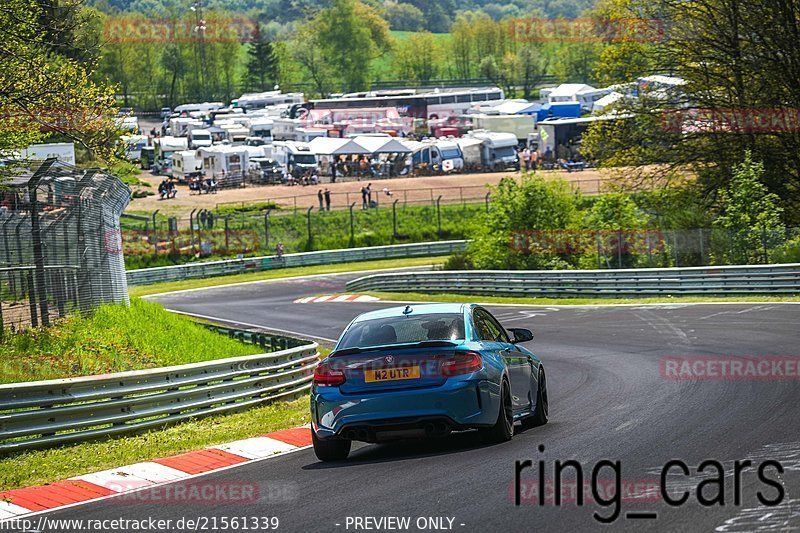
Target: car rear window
{"points": [[402, 330]]}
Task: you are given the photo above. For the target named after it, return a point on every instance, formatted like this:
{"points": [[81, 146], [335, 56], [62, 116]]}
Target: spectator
{"points": [[327, 200], [526, 158], [363, 197], [320, 198], [369, 194], [279, 250], [534, 159]]}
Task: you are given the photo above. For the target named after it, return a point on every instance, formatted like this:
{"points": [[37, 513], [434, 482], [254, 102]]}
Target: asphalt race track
{"points": [[608, 400]]}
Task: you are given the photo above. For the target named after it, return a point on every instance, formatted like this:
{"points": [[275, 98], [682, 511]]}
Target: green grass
{"points": [[45, 466], [113, 339], [157, 288], [463, 298]]}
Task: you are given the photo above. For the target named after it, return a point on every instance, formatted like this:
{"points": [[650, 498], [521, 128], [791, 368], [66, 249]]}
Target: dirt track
{"points": [[452, 188]]}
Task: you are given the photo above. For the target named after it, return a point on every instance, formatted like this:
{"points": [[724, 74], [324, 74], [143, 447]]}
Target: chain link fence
{"points": [[60, 245]]}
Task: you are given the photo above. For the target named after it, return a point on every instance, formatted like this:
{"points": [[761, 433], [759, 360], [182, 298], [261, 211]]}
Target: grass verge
{"points": [[464, 298], [45, 466], [113, 339], [144, 290]]}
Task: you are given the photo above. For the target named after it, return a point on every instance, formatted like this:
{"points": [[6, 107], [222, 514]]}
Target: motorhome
{"points": [[128, 123], [64, 152], [164, 148], [472, 151], [133, 144], [185, 163], [294, 157], [266, 99], [205, 107], [224, 163], [199, 138], [262, 127], [498, 150], [235, 133], [181, 126]]}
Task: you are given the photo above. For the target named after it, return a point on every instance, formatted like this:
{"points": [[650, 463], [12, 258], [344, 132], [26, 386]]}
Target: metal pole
{"points": [[394, 217], [155, 233], [352, 231], [702, 247], [619, 248], [764, 239], [191, 227], [439, 216], [308, 217], [487, 201], [227, 250], [38, 256], [266, 225]]}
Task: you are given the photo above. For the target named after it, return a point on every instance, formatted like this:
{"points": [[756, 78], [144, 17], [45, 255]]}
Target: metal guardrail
{"points": [[146, 276], [61, 411], [750, 279]]}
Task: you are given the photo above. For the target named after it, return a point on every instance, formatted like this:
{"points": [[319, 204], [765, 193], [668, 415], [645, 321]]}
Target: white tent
{"points": [[336, 146], [381, 145]]}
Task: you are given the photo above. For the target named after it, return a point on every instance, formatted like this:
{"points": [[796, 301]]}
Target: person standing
{"points": [[526, 158], [534, 159], [369, 194], [327, 199], [319, 197], [363, 197]]}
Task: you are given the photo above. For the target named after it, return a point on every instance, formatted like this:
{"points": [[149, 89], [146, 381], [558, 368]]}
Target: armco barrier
{"points": [[147, 276], [46, 413], [750, 279]]}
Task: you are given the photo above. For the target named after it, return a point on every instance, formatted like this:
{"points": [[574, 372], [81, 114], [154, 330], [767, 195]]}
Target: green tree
{"points": [[511, 235], [262, 63], [417, 57], [750, 215], [351, 34], [404, 17], [617, 220]]}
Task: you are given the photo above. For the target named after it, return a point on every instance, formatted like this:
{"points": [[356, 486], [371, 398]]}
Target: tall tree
{"points": [[262, 63]]}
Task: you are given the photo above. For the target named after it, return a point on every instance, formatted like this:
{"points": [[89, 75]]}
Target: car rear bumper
{"points": [[374, 417]]}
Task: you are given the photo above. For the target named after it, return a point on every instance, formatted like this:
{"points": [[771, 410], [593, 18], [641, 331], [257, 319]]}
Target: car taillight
{"points": [[462, 363], [327, 376]]}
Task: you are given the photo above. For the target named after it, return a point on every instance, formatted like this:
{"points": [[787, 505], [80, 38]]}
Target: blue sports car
{"points": [[424, 371]]}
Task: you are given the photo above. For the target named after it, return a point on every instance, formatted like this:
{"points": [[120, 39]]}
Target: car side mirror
{"points": [[521, 335]]}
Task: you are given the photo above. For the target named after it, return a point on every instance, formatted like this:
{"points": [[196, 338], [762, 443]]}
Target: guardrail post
{"points": [[439, 216], [352, 230], [394, 218], [308, 218]]}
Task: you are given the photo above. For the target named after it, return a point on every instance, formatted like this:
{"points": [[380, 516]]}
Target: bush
{"points": [[458, 261]]}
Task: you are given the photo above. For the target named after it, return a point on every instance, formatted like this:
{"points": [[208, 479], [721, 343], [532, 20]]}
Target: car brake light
{"points": [[462, 363], [327, 376]]}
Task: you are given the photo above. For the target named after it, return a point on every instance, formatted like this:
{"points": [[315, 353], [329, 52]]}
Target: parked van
{"points": [[164, 148], [133, 144], [199, 138], [498, 150], [436, 155]]}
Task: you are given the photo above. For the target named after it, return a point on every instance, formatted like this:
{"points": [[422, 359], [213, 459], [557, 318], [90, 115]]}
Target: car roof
{"points": [[416, 310]]}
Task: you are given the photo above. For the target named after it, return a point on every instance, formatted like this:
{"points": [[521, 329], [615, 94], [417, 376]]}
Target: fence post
{"points": [[764, 240], [439, 216], [38, 252], [155, 232], [308, 217], [227, 217], [702, 247], [619, 248], [394, 217], [599, 262], [266, 226], [486, 199], [352, 232], [675, 246], [191, 227], [32, 299]]}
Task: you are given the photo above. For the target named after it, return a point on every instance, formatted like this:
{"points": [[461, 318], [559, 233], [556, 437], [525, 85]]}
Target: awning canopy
{"points": [[336, 146], [382, 145]]}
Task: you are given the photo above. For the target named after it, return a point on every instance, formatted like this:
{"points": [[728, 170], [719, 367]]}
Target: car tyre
{"points": [[539, 416], [330, 450], [503, 428]]}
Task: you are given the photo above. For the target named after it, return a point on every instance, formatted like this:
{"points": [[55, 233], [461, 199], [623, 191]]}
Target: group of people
{"points": [[307, 178], [201, 184], [324, 199], [529, 159], [167, 189]]}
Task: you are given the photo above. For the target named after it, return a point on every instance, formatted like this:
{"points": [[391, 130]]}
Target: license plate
{"points": [[391, 374]]}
